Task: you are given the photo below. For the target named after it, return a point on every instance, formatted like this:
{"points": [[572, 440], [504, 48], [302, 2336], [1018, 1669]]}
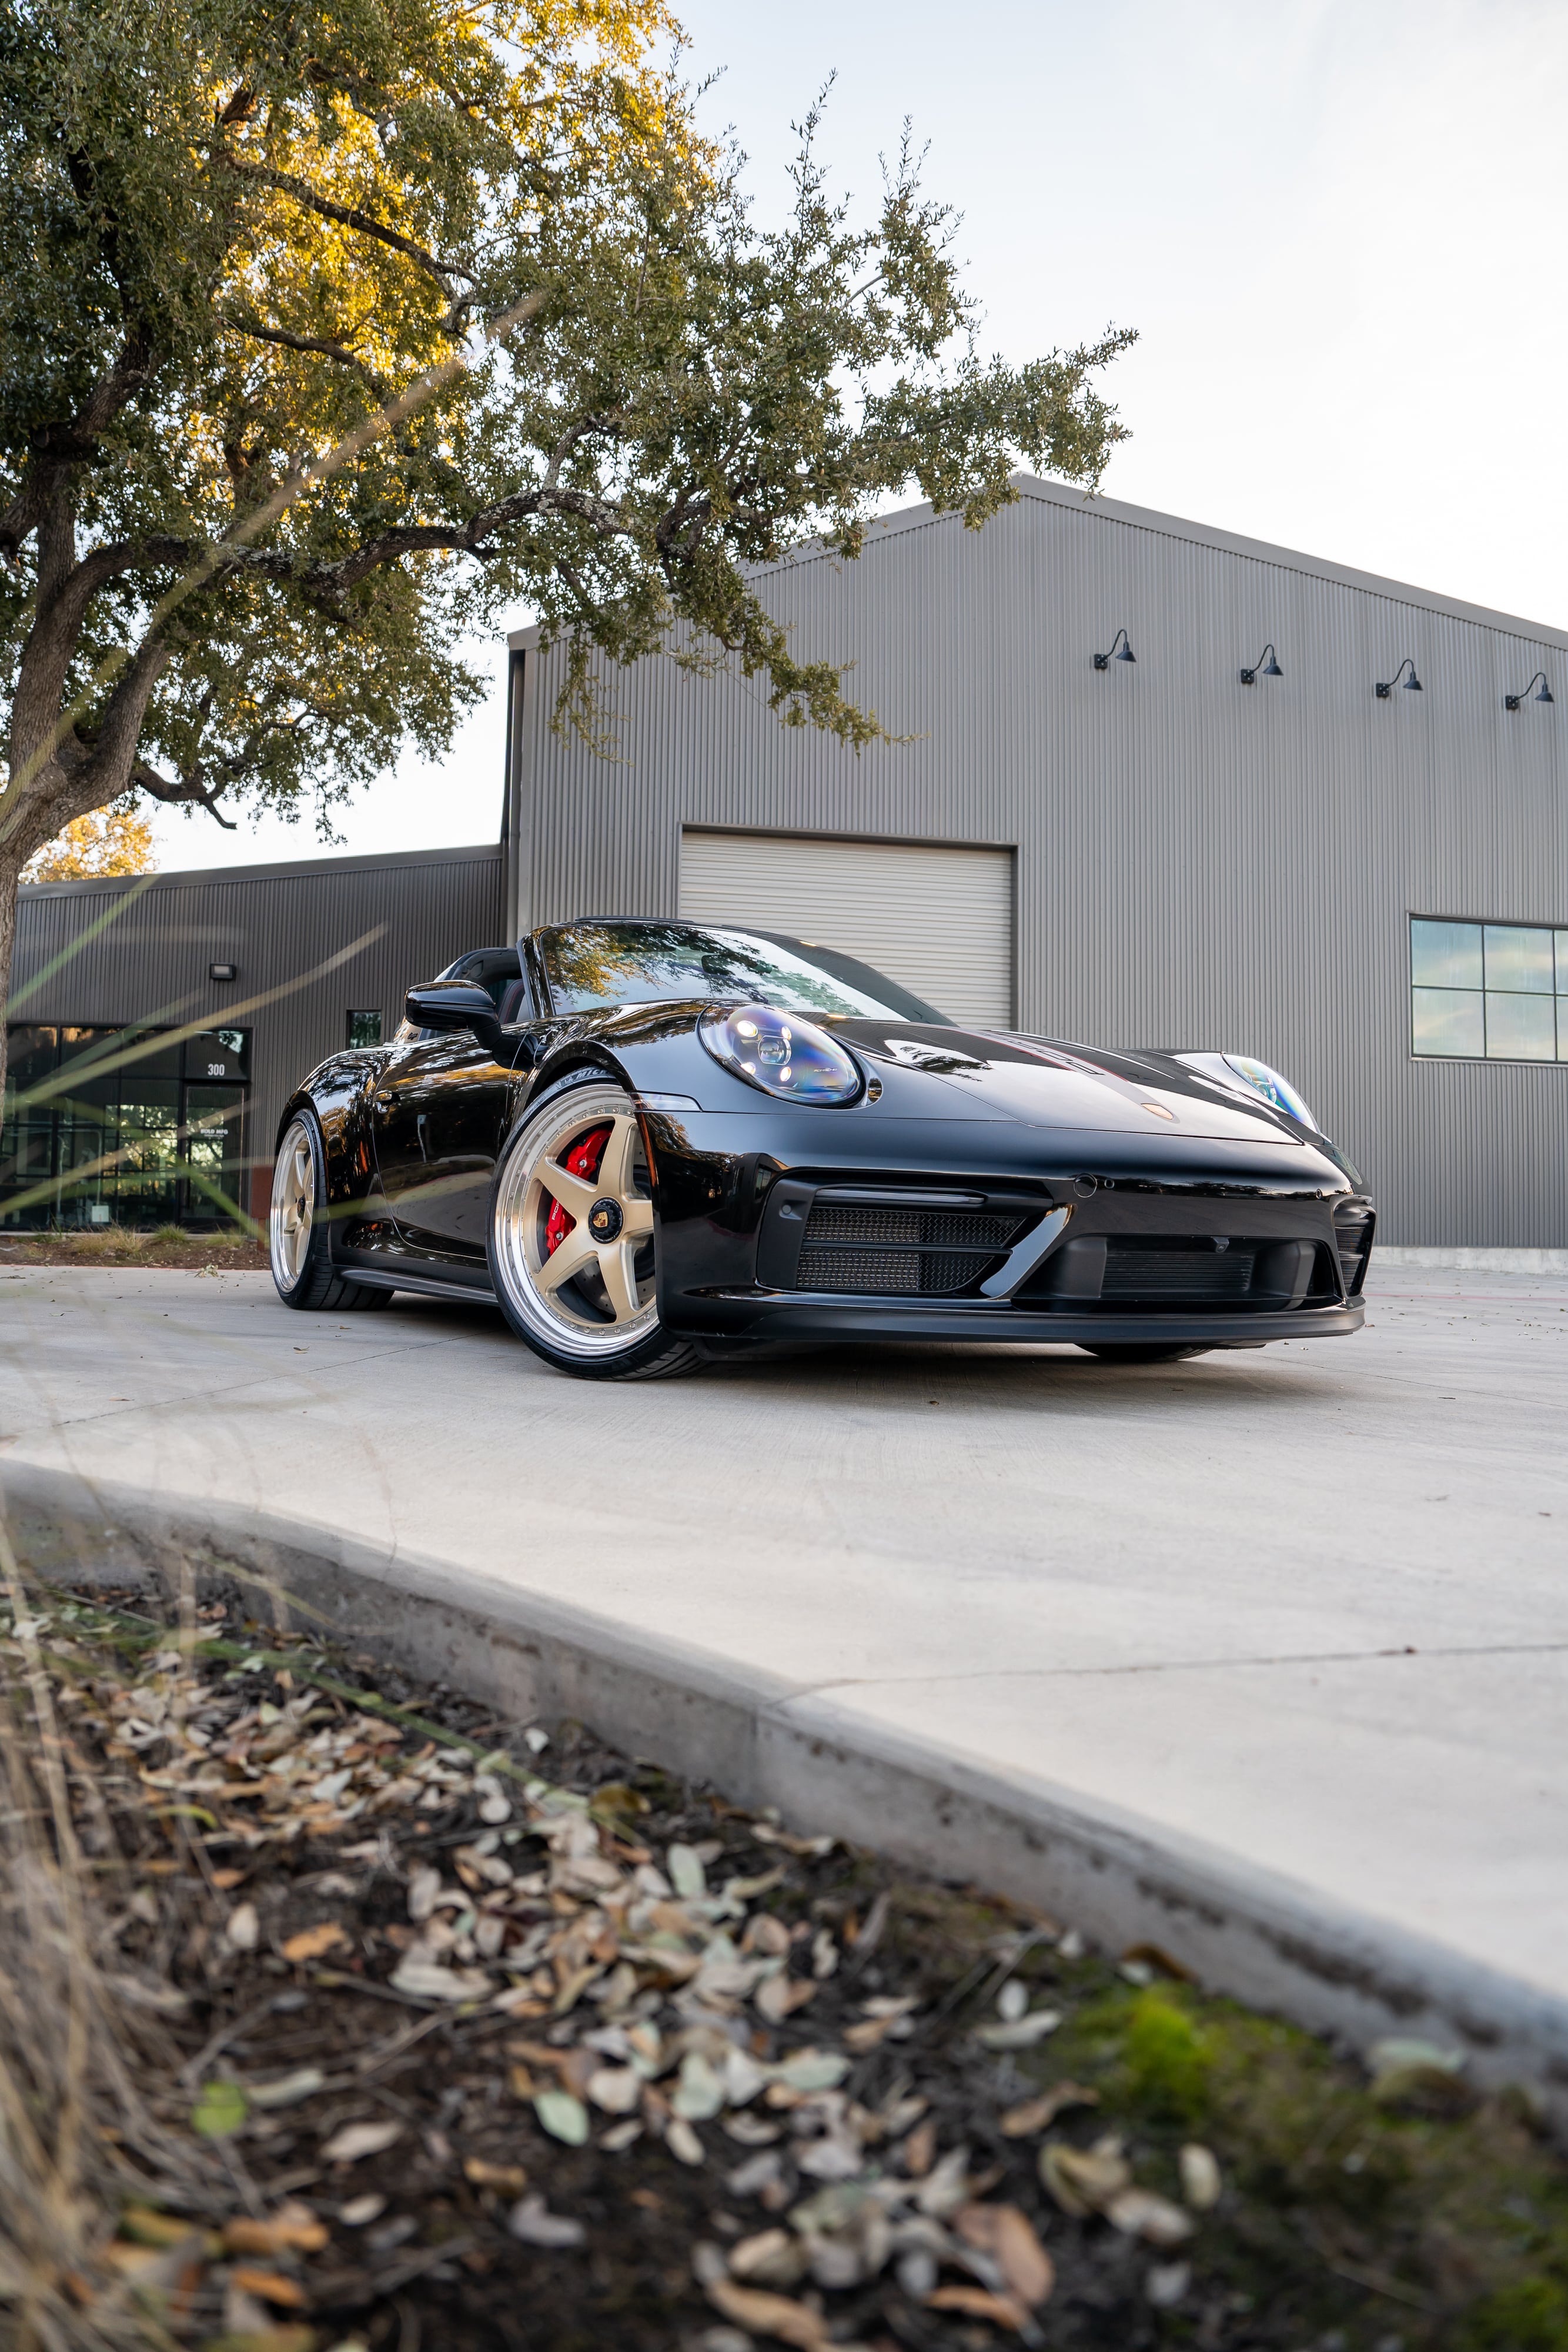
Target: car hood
{"points": [[1044, 1082]]}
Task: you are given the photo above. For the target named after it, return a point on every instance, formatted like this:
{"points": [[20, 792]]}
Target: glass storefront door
{"points": [[119, 1125]]}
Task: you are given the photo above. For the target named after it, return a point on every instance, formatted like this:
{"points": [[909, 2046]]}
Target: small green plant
{"points": [[1168, 2059]]}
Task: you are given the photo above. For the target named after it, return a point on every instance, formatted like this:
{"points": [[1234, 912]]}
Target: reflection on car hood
{"points": [[1044, 1083]]}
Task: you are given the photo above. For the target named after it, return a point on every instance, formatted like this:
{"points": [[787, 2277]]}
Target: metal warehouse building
{"points": [[1158, 785]]}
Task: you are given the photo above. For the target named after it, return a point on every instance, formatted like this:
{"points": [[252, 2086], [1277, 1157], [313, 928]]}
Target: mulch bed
{"points": [[497, 2041], [193, 1254]]}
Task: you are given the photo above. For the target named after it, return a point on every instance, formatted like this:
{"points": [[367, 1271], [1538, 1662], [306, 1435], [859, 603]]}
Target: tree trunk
{"points": [[10, 876]]}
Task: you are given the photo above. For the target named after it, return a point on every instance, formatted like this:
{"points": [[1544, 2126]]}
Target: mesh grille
{"points": [[1198, 1274], [893, 1228], [846, 1270], [886, 1227], [886, 1270], [1353, 1237]]}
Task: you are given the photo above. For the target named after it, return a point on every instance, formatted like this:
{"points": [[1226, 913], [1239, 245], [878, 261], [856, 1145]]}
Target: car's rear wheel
{"points": [[1132, 1351], [571, 1239], [302, 1267]]}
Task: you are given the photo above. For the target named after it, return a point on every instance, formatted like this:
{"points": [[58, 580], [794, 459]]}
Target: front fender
{"points": [[338, 1091]]}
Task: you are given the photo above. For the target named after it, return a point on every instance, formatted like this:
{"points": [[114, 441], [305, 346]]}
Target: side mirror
{"points": [[455, 1005]]}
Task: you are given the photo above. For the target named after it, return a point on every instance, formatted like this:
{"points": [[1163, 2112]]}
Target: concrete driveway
{"points": [[1307, 1607]]}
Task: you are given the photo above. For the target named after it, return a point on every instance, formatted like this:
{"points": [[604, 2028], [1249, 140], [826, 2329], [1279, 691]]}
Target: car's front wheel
{"points": [[302, 1267], [571, 1239]]}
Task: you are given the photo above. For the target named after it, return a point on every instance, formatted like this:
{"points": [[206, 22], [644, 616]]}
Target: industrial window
{"points": [[1489, 991], [365, 1028], [128, 1125]]}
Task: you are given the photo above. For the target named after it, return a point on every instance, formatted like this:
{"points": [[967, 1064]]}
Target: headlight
{"points": [[781, 1054], [1241, 1070]]}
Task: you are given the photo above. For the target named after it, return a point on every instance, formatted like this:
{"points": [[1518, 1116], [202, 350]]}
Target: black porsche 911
{"points": [[652, 1143]]}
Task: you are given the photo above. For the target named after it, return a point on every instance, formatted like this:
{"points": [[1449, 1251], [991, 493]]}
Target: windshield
{"points": [[592, 964]]}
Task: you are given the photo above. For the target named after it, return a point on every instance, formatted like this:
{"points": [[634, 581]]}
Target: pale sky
{"points": [[1330, 220]]}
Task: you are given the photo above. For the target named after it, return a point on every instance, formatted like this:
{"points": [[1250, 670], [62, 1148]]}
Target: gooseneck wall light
{"points": [[1512, 701], [1104, 661], [1412, 684], [1264, 666]]}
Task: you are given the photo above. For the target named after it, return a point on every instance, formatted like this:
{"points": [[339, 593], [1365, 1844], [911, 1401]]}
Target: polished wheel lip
{"points": [[293, 1206], [533, 1175]]}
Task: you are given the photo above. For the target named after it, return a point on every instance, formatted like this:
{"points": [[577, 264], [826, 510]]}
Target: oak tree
{"points": [[331, 332]]}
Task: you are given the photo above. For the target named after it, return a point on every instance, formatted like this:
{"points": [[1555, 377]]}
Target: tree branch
{"points": [[291, 343]]}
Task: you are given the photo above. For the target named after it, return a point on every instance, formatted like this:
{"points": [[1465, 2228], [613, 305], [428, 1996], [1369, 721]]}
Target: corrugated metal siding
{"points": [[277, 924], [1199, 863], [940, 920]]}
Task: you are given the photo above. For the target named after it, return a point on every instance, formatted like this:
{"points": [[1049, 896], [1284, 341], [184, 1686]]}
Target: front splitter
{"points": [[741, 1315]]}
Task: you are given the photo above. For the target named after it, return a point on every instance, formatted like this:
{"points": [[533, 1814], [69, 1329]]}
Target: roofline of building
{"points": [[199, 876], [1197, 534]]}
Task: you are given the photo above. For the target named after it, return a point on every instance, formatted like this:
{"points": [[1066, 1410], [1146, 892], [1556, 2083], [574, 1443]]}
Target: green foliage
{"points": [[1166, 2060], [1528, 2315], [331, 336]]}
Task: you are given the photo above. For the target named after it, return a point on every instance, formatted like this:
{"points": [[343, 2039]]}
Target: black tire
{"points": [[1133, 1352], [303, 1273], [607, 1284]]}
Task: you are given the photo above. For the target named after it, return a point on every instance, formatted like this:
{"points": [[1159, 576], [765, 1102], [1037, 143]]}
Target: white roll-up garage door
{"points": [[940, 920]]}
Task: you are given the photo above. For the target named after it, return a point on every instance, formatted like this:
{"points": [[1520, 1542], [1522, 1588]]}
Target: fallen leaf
{"points": [[426, 1980], [1141, 2213], [563, 2116], [769, 2314], [1166, 2284], [288, 2089], [144, 2227], [221, 2108], [270, 2285], [1417, 2074], [242, 1928], [774, 2256], [1019, 2032], [531, 2222], [688, 1875], [778, 1997], [616, 2089], [509, 2179], [1083, 2180], [978, 2304], [814, 2070], [424, 1888], [699, 2093], [311, 1942], [1200, 2182], [225, 1880], [1037, 2115], [920, 2149], [1008, 2235], [947, 2186], [357, 2140], [683, 2142], [295, 2227]]}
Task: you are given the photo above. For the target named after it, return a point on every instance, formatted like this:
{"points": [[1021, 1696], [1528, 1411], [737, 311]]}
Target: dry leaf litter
{"points": [[481, 2055]]}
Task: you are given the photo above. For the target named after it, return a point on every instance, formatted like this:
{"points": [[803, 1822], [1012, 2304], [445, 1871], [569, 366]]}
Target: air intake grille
{"points": [[911, 1228], [1203, 1276], [846, 1270], [1352, 1239]]}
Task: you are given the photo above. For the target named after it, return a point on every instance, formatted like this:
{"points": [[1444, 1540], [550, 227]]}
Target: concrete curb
{"points": [[1473, 1261], [1239, 1929]]}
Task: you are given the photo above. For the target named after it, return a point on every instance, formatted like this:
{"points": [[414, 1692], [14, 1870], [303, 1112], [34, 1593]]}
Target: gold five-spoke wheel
{"points": [[572, 1237], [293, 1206]]}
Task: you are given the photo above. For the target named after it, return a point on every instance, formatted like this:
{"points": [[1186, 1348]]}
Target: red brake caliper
{"points": [[582, 1160]]}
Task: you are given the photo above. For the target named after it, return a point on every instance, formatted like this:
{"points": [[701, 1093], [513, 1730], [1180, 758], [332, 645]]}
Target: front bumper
{"points": [[1206, 1244]]}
